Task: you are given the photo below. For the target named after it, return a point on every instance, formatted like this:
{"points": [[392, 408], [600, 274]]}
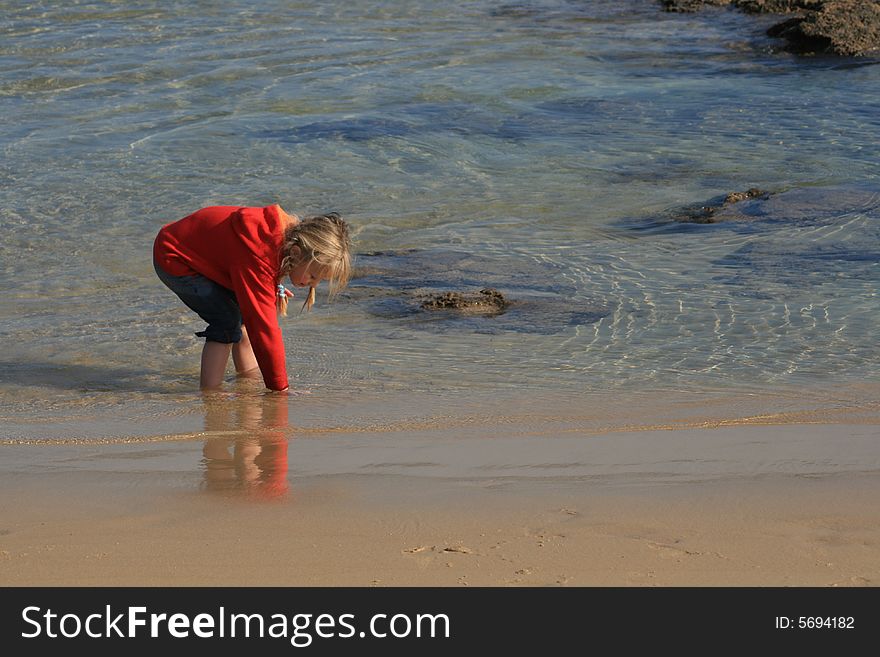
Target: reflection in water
{"points": [[255, 461]]}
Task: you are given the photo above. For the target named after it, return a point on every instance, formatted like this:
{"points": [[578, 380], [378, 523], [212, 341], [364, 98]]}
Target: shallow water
{"points": [[540, 148]]}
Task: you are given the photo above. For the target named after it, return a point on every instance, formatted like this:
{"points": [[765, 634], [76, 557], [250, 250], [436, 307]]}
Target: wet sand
{"points": [[785, 505]]}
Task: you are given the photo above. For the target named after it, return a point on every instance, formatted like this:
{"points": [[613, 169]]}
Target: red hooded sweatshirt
{"points": [[238, 248]]}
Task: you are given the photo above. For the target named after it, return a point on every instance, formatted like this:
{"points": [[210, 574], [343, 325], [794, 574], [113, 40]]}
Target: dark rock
{"points": [[844, 27], [748, 6], [839, 27], [755, 210], [776, 6], [785, 29], [709, 213], [442, 290], [816, 205], [736, 197], [686, 6], [487, 301], [800, 206]]}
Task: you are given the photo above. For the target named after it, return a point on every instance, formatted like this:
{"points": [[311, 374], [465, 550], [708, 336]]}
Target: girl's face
{"points": [[308, 274]]}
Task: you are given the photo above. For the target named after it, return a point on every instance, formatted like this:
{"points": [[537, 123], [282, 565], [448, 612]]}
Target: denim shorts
{"points": [[212, 302]]}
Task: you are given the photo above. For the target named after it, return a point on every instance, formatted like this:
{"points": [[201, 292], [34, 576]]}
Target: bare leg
{"points": [[215, 356], [243, 357]]}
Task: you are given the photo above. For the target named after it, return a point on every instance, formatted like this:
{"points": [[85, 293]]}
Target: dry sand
{"points": [[64, 524]]}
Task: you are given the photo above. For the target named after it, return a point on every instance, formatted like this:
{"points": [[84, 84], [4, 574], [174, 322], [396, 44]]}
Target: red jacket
{"points": [[239, 249]]}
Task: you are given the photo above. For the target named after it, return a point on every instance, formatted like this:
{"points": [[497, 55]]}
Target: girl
{"points": [[227, 264]]}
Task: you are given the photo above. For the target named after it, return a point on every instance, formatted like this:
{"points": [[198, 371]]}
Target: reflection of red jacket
{"points": [[272, 461], [239, 249]]}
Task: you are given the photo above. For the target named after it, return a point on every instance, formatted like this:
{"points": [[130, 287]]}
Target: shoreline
{"points": [[244, 408], [790, 505]]}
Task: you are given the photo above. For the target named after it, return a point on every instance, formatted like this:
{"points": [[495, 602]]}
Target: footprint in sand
{"points": [[459, 549], [674, 552]]}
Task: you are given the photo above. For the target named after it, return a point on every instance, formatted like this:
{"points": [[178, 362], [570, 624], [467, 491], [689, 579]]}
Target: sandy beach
{"points": [[159, 514]]}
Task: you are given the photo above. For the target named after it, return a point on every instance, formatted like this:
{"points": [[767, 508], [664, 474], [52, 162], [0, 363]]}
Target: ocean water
{"points": [[541, 148]]}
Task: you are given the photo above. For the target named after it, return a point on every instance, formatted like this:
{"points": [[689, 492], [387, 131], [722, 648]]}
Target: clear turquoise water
{"points": [[537, 147]]}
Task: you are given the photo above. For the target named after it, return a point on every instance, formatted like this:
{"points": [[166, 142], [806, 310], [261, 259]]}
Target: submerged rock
{"points": [[486, 301], [841, 27], [709, 213], [815, 205], [444, 290], [687, 6], [798, 206], [736, 197]]}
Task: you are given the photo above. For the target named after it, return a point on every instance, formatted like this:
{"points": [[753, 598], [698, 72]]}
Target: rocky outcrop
{"points": [[776, 6], [846, 27], [842, 27]]}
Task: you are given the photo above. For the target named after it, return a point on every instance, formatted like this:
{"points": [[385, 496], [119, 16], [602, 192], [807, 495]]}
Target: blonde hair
{"points": [[323, 239]]}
